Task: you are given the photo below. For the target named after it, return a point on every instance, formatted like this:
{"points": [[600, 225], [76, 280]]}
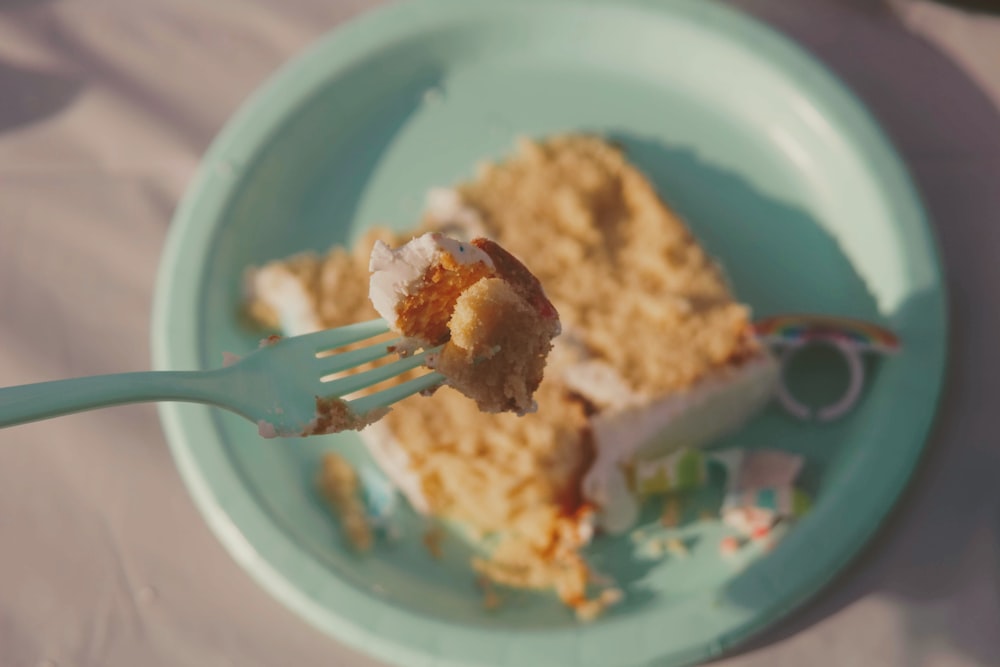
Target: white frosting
{"points": [[618, 506], [601, 384], [716, 406], [396, 274], [283, 292]]}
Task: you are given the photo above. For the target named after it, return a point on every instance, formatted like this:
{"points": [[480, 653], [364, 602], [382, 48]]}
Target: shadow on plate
{"points": [[738, 224], [933, 551]]}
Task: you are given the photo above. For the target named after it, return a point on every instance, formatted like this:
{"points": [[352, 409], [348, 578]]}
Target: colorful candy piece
{"points": [[747, 519], [729, 546], [678, 471], [774, 536], [760, 489], [755, 512]]}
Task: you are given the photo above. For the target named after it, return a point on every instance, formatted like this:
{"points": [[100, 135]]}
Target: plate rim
{"points": [[189, 242]]}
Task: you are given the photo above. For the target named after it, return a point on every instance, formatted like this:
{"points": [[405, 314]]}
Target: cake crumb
{"points": [[339, 484], [671, 516], [612, 596], [491, 599], [269, 340], [590, 610], [729, 546], [434, 541], [677, 547], [655, 548], [334, 415]]}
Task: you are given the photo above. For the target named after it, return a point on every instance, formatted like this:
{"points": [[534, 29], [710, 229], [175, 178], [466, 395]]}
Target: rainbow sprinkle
{"points": [[798, 329]]}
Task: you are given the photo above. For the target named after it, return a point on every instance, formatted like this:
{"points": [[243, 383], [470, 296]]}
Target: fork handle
{"points": [[31, 402]]}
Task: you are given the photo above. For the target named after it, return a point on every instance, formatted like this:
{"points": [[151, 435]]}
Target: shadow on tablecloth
{"points": [[30, 96]]}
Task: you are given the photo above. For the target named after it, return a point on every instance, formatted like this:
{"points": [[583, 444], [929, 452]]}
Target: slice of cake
{"points": [[655, 344], [655, 354]]}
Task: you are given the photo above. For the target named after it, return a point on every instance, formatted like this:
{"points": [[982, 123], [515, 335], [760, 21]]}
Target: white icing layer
{"points": [[601, 384], [398, 273], [716, 406]]}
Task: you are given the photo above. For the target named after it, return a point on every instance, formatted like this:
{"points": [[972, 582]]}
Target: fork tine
{"points": [[329, 339], [344, 360], [387, 397], [351, 383]]}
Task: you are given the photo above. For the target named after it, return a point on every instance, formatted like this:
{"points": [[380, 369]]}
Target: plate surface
{"points": [[776, 167]]}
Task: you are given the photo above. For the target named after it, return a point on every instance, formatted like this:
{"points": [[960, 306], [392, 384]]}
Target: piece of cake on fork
{"points": [[474, 298]]}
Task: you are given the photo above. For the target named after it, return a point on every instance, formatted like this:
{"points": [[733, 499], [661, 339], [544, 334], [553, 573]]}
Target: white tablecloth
{"points": [[105, 107]]}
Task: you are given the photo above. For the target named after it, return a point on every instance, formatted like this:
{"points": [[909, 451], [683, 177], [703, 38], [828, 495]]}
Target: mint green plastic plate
{"points": [[778, 169]]}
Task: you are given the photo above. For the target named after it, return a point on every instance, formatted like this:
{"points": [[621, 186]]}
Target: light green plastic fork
{"points": [[275, 386]]}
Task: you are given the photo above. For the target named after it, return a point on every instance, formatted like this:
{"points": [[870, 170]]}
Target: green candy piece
{"points": [[679, 471], [801, 503]]}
